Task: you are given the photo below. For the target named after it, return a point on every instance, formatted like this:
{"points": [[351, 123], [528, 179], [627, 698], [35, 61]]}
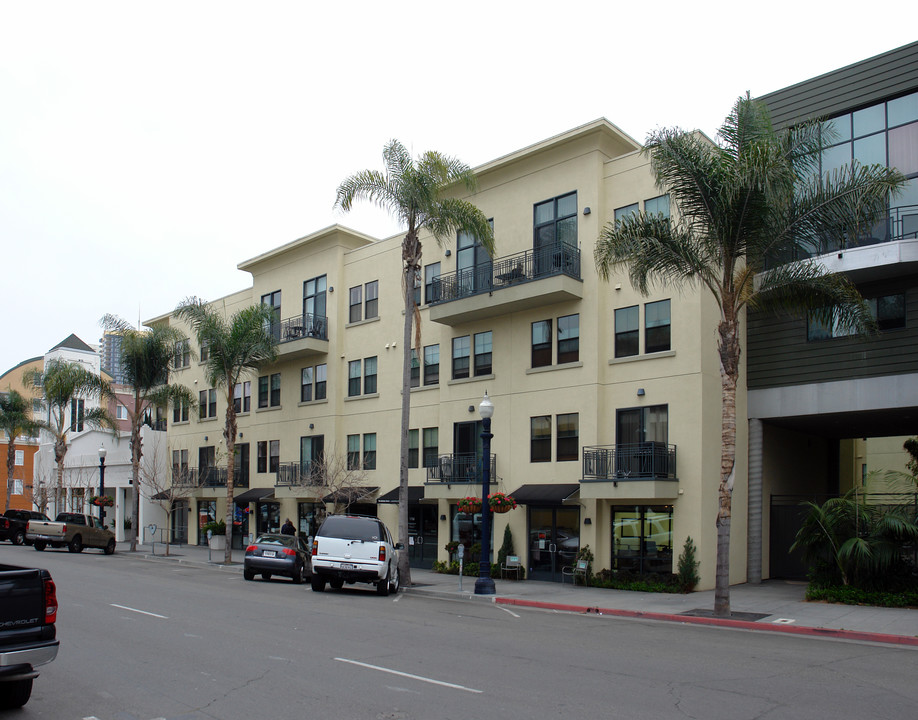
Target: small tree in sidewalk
{"points": [[688, 566]]}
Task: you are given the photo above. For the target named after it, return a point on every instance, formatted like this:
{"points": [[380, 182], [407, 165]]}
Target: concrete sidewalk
{"points": [[775, 605]]}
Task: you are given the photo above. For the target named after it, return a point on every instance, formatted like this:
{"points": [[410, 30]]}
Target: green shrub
{"points": [[688, 567], [622, 580], [848, 595]]}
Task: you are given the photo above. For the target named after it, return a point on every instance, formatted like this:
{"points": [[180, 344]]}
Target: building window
{"points": [[657, 206], [273, 301], [312, 457], [431, 364], [242, 397], [413, 441], [555, 221], [121, 412], [656, 326], [180, 412], [356, 303], [483, 353], [261, 462], [461, 350], [306, 381], [207, 400], [639, 425], [17, 486], [627, 331], [274, 456], [432, 282], [179, 464], [314, 297], [431, 446], [369, 376], [540, 439], [353, 378], [269, 390], [321, 381], [353, 452], [205, 352], [369, 451], [568, 447], [77, 412], [181, 357], [625, 212], [415, 375], [568, 339], [642, 538], [541, 343], [19, 458], [887, 310], [371, 306], [417, 287]]}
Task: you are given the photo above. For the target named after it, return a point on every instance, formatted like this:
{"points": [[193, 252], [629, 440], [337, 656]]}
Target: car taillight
{"points": [[63, 529], [5, 523], [251, 548], [289, 551], [315, 547], [382, 553], [50, 602]]}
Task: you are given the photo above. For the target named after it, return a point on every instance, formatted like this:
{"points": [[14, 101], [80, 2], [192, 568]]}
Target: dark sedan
{"points": [[273, 554]]}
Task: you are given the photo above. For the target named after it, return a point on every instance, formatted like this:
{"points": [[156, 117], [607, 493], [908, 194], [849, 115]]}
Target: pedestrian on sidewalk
{"points": [[288, 528]]}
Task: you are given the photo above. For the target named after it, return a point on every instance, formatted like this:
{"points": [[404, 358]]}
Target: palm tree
{"points": [[147, 359], [237, 346], [15, 420], [63, 382], [418, 195], [755, 196]]}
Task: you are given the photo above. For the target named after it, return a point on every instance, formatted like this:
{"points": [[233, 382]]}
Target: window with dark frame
{"points": [[432, 282], [321, 381], [371, 306], [627, 331], [555, 221], [568, 339], [355, 301], [483, 346], [414, 438], [461, 351], [77, 414], [431, 364], [568, 437], [353, 452], [273, 300], [269, 390], [242, 397], [314, 296], [541, 343], [369, 375], [657, 326], [274, 456], [275, 390], [353, 378], [431, 450], [180, 412], [369, 451], [540, 438], [181, 357], [261, 463], [415, 374], [306, 382]]}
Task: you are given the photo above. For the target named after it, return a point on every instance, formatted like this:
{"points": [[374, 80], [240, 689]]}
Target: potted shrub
{"points": [[470, 505], [500, 503], [216, 534]]}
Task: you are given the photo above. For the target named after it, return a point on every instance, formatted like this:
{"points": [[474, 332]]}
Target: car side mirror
{"points": [[399, 546]]}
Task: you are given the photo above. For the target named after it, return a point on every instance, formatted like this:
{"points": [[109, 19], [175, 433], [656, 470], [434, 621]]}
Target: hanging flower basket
{"points": [[501, 503], [470, 505], [102, 501]]}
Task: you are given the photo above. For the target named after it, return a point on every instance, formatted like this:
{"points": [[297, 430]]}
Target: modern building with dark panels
{"points": [[814, 389]]}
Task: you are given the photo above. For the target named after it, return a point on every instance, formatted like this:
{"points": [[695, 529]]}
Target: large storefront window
{"points": [[642, 538], [268, 519], [309, 517], [207, 513], [466, 530]]}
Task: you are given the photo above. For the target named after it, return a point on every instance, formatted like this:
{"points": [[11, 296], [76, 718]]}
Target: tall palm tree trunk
{"points": [[729, 350], [229, 434], [60, 452], [404, 566]]}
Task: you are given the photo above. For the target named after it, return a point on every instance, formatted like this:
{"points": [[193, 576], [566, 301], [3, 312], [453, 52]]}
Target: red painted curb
{"points": [[719, 622]]}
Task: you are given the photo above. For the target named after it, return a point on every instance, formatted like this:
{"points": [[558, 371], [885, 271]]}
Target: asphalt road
{"points": [[155, 641]]}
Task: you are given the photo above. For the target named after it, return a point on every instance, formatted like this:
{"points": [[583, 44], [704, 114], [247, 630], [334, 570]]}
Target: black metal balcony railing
{"points": [[556, 259], [460, 468], [299, 474], [300, 326], [208, 477], [634, 461]]}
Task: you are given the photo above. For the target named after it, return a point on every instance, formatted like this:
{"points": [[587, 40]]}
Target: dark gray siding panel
{"points": [[778, 353], [858, 85]]}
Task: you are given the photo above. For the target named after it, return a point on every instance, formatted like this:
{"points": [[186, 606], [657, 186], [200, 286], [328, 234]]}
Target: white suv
{"points": [[354, 548]]}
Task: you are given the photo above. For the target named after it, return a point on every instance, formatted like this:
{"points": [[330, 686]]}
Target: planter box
{"points": [[217, 542]]}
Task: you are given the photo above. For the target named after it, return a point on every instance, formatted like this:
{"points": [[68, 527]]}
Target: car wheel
{"points": [[266, 576], [39, 545], [248, 574], [19, 537], [76, 544], [297, 574], [382, 587], [318, 583], [110, 547], [16, 693], [393, 582], [336, 584]]}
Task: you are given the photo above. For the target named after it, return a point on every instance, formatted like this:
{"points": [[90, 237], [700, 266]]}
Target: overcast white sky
{"points": [[147, 148]]}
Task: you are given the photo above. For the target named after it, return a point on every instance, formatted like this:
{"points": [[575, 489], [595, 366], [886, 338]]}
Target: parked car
{"points": [[75, 530], [275, 554], [355, 548], [28, 611], [14, 522]]}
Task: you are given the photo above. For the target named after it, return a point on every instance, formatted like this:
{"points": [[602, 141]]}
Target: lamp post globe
{"points": [[102, 453], [484, 585]]}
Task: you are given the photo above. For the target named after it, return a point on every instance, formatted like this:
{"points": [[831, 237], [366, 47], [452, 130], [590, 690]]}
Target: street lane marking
{"points": [[409, 675], [143, 612], [508, 611]]}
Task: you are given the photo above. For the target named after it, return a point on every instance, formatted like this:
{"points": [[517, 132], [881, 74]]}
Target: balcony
{"points": [[459, 469], [644, 470], [301, 336], [208, 477], [296, 474], [529, 279]]}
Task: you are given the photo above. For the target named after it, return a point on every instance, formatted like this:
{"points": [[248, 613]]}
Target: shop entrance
{"points": [[554, 540], [422, 535]]}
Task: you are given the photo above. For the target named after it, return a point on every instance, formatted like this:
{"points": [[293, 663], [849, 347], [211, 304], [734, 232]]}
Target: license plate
{"points": [[270, 553], [348, 566]]}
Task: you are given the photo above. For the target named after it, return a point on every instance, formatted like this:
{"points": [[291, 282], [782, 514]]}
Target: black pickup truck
{"points": [[28, 611], [13, 524]]}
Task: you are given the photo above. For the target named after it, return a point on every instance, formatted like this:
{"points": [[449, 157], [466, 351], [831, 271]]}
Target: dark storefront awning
{"points": [[547, 494], [350, 494], [415, 495], [253, 495]]}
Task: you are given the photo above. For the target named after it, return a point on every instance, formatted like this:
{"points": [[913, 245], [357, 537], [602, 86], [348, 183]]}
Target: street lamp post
{"points": [[484, 585], [102, 452]]}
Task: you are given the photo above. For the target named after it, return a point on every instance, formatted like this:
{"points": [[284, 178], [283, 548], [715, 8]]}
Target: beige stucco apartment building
{"points": [[607, 403]]}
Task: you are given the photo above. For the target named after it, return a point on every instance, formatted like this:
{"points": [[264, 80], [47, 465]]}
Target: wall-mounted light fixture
{"points": [[331, 289], [586, 211], [205, 438], [471, 408], [443, 517], [587, 521], [640, 392], [311, 426], [448, 252]]}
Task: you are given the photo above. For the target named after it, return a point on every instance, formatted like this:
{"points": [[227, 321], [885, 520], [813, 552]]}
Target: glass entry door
{"points": [[422, 535], [554, 541]]}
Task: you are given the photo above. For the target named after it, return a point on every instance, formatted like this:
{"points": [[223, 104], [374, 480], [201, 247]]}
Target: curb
{"points": [[721, 622]]}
